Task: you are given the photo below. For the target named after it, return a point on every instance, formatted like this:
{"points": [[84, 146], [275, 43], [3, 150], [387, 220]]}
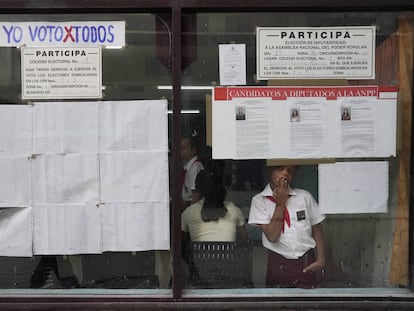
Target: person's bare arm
{"points": [[317, 234], [273, 229], [242, 234]]}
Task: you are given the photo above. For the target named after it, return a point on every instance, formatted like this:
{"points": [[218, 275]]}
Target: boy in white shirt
{"points": [[192, 165], [291, 231]]}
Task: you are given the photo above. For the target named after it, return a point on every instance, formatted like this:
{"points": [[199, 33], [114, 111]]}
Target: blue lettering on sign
{"points": [[15, 33], [42, 33], [97, 34], [111, 37], [58, 34], [48, 32], [85, 34], [61, 34], [33, 33], [8, 32], [77, 33], [102, 34]]}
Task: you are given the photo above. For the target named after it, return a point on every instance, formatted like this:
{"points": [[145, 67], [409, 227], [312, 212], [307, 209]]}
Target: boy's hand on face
{"points": [[281, 191]]}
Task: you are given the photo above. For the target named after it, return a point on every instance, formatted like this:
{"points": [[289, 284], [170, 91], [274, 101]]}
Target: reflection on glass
{"points": [[358, 251], [129, 73]]}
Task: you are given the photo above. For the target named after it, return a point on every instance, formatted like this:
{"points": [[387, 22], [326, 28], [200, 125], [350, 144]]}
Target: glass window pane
{"points": [[359, 247], [91, 208]]}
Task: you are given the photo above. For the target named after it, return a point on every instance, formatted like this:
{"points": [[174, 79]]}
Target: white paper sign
{"points": [[121, 123], [316, 52], [61, 72], [307, 126], [253, 128], [63, 34], [138, 177], [16, 231], [69, 180], [125, 224], [232, 61], [15, 182], [304, 122], [353, 187], [67, 229], [68, 128], [15, 130]]}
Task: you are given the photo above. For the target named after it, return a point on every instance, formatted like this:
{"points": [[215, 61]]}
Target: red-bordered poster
{"points": [[304, 122]]}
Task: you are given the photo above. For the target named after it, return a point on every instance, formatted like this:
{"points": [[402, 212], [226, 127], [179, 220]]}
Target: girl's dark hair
{"points": [[211, 187]]}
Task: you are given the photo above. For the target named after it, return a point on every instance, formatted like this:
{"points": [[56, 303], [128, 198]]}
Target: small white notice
{"points": [[353, 187], [61, 72], [232, 59], [316, 52]]}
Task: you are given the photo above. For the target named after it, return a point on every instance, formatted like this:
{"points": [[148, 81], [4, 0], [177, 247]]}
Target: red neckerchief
{"points": [[286, 216]]}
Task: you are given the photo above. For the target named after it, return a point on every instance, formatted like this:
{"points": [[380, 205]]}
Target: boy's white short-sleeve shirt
{"points": [[192, 168], [304, 213]]}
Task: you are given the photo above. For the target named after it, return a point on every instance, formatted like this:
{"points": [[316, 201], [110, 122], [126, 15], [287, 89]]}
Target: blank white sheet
{"points": [[70, 178], [68, 127], [67, 229], [134, 177], [136, 226], [15, 189], [16, 231], [15, 130], [353, 187], [133, 125], [86, 157]]}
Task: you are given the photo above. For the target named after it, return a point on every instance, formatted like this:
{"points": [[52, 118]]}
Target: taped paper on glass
{"points": [[16, 231], [67, 229], [66, 178], [71, 127], [15, 182], [353, 187], [80, 157], [133, 126], [15, 130], [304, 122], [138, 177], [132, 226]]}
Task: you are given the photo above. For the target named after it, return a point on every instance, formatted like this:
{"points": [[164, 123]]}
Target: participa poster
{"points": [[304, 122], [346, 52], [88, 179], [61, 72]]}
